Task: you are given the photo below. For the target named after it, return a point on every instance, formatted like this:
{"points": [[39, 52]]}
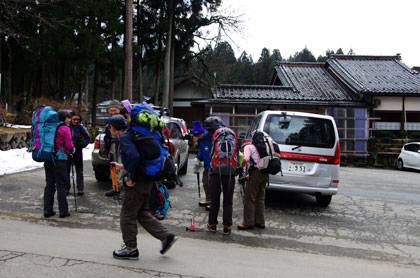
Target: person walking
{"points": [[204, 152], [81, 138], [56, 171], [224, 162], [135, 204], [253, 215], [112, 145]]}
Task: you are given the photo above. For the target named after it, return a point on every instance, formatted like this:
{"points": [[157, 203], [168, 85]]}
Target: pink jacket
{"points": [[63, 138], [250, 151]]}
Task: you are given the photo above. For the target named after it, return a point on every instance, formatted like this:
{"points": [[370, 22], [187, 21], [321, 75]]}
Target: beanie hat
{"points": [[114, 104], [118, 122], [245, 142], [197, 128]]}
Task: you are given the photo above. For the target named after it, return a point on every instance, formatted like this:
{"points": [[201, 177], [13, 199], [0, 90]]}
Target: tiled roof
{"points": [[385, 75], [313, 81]]}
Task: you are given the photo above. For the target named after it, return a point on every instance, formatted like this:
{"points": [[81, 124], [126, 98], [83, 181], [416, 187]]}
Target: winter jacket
{"points": [[80, 136], [63, 143], [204, 149]]}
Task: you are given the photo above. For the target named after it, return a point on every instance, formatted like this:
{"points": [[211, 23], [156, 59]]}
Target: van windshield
{"points": [[301, 131]]}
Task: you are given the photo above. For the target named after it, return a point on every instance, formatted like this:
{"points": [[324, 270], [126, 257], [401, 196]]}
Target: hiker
{"points": [[204, 151], [81, 138], [253, 215], [137, 187], [111, 147], [222, 177], [56, 170]]}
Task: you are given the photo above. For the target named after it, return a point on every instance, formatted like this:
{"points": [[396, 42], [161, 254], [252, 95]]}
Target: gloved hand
{"points": [[197, 166]]}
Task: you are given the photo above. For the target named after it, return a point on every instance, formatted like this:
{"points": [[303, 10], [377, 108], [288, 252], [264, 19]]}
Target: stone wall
{"points": [[14, 140]]}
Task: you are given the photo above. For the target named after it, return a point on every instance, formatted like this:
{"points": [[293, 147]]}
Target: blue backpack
{"points": [[44, 126], [163, 198], [156, 162]]}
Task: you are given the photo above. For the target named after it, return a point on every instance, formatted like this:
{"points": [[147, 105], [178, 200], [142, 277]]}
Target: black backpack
{"points": [[269, 152]]}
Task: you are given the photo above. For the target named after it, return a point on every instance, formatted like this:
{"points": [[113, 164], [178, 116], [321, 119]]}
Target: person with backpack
{"points": [[81, 138], [137, 145], [224, 161], [56, 170], [111, 147], [204, 152], [253, 214]]}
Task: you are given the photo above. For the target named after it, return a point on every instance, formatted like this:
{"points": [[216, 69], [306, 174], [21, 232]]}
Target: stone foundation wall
{"points": [[14, 140]]}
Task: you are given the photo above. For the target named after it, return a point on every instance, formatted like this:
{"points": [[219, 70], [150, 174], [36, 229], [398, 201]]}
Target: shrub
{"points": [[415, 135]]}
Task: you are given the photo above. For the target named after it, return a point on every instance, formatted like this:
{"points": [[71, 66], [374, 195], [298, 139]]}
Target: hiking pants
{"points": [[78, 166], [55, 176], [255, 198], [227, 184], [135, 207], [206, 184]]}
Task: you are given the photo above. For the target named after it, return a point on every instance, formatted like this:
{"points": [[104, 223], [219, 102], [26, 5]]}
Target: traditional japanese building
{"points": [[362, 93]]}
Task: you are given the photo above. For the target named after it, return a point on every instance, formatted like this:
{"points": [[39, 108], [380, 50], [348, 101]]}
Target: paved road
{"points": [[374, 217]]}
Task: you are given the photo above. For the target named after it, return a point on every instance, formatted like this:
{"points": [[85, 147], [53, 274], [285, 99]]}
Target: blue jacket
{"points": [[80, 136], [204, 149], [130, 156]]}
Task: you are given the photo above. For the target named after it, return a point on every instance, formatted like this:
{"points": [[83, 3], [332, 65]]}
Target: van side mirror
{"points": [[187, 137]]}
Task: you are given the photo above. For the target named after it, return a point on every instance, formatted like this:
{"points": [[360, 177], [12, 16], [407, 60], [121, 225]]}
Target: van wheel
{"points": [[183, 170], [400, 164], [102, 175], [323, 200]]}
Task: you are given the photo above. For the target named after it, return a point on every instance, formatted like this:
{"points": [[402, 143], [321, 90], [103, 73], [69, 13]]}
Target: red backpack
{"points": [[224, 155]]}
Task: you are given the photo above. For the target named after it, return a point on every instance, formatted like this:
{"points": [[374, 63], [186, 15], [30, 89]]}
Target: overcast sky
{"points": [[369, 27]]}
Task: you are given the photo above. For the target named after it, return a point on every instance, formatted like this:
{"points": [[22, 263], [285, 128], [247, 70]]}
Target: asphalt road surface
{"points": [[374, 217]]}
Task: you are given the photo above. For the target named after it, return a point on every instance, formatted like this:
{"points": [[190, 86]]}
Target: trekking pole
{"points": [[74, 186], [114, 181], [198, 184]]}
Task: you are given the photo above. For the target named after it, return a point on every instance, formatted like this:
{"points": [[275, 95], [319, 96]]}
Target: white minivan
{"points": [[310, 152]]}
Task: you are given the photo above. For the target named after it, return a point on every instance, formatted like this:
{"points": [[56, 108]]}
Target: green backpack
{"points": [[147, 118]]}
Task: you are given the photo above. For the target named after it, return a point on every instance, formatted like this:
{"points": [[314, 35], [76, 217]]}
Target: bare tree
{"points": [[167, 67]]}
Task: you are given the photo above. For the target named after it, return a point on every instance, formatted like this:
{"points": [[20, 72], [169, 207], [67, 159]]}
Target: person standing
{"points": [[81, 138], [204, 152], [111, 146], [135, 204], [56, 171], [253, 215], [224, 161]]}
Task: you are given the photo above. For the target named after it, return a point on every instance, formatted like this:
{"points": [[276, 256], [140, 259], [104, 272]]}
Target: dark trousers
{"points": [[77, 160], [135, 207], [255, 198], [217, 185], [206, 185], [55, 176]]}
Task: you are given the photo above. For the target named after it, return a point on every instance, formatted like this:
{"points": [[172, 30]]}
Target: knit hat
{"points": [[197, 128], [114, 104], [118, 122], [246, 142]]}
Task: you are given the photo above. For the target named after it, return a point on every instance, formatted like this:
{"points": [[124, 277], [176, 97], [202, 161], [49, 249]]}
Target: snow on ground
{"points": [[19, 160]]}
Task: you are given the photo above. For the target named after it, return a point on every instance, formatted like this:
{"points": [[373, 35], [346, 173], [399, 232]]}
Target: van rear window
{"points": [[301, 131]]}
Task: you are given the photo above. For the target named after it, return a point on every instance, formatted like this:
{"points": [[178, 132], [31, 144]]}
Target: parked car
{"points": [[310, 152], [409, 156], [100, 160]]}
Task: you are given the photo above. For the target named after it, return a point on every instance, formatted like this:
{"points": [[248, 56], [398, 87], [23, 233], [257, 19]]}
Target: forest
{"points": [[77, 51]]}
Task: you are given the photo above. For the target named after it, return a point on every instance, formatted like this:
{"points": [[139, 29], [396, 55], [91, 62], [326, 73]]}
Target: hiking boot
{"points": [[80, 193], [226, 230], [260, 226], [245, 227], [49, 213], [126, 253], [112, 193], [64, 215], [204, 203], [212, 227], [208, 207], [167, 243]]}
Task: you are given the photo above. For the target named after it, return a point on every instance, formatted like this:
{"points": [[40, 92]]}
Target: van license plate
{"points": [[297, 167]]}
